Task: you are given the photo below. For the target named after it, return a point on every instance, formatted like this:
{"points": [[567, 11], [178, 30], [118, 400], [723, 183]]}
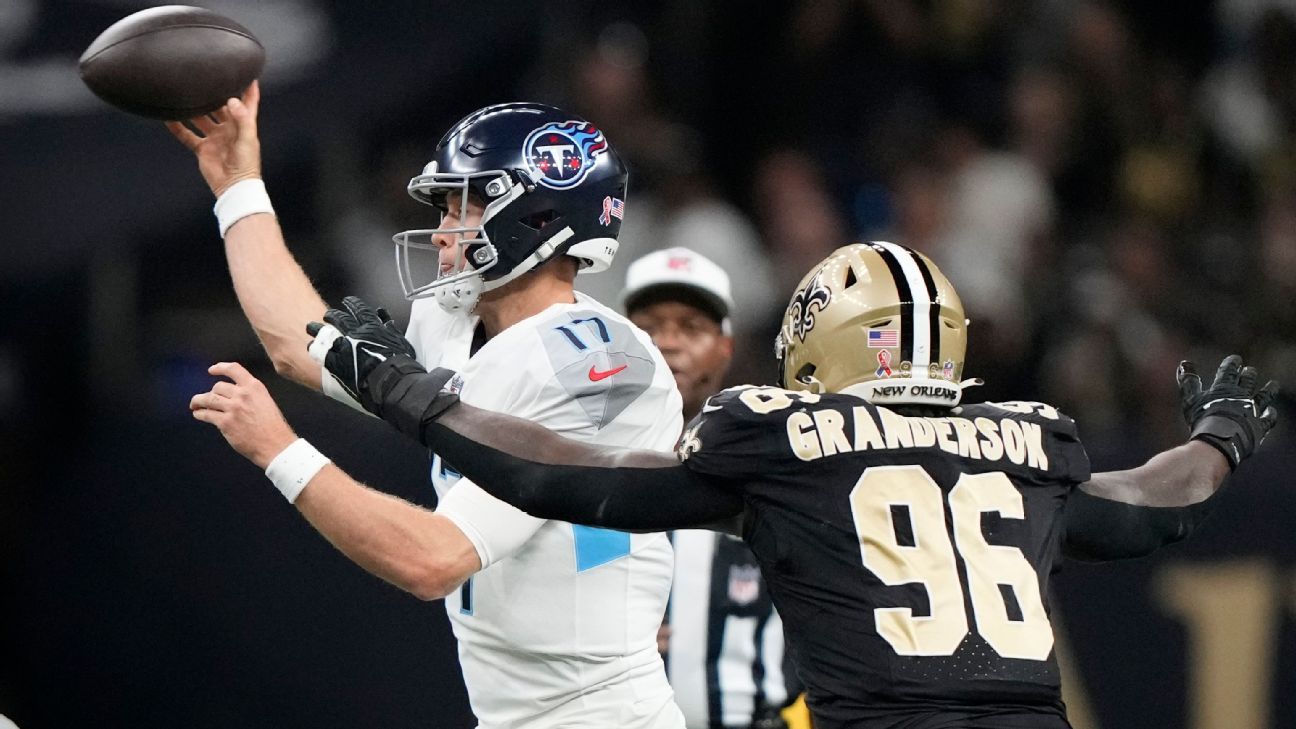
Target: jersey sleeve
{"points": [[1072, 464], [495, 528], [741, 433]]}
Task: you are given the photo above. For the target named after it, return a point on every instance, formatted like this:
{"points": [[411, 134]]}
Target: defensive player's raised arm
{"points": [[1120, 514], [1123, 514], [276, 296]]}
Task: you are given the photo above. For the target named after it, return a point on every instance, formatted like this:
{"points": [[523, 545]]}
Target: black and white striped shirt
{"points": [[726, 661]]}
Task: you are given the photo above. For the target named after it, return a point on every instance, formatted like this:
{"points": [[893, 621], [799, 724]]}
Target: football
{"points": [[172, 62]]}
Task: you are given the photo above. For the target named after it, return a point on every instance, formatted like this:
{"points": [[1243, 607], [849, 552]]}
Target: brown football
{"points": [[172, 62]]}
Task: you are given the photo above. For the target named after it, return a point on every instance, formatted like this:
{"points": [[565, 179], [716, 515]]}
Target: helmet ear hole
{"points": [[805, 373], [538, 221], [850, 278]]}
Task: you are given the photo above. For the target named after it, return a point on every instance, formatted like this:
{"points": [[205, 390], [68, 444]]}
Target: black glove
{"points": [[374, 366], [368, 338], [1232, 414]]}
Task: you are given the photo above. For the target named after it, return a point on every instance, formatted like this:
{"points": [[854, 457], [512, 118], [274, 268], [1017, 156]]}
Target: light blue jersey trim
{"points": [[596, 547]]}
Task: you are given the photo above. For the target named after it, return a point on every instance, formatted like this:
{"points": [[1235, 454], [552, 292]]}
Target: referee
{"points": [[723, 639]]}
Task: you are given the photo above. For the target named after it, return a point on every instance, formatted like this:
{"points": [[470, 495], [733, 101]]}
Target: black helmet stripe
{"points": [[934, 309], [906, 300], [916, 310]]}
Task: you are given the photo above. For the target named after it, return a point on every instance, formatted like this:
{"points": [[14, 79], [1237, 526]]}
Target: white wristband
{"points": [[243, 198], [294, 467]]}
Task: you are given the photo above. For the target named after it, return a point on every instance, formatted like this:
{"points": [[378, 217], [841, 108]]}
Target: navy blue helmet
{"points": [[550, 185]]}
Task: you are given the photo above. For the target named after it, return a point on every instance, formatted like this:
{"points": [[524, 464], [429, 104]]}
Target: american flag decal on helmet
{"points": [[883, 338], [613, 207]]}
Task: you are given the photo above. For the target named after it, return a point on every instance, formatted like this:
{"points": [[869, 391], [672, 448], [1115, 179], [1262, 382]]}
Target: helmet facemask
{"points": [[459, 288]]}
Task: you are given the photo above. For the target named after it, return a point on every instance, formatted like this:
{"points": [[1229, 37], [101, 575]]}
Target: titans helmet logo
{"points": [[813, 298], [559, 155]]}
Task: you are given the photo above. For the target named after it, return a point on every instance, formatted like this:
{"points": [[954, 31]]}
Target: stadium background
{"points": [[1111, 186]]}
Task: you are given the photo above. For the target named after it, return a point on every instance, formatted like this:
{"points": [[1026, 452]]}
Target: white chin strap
{"points": [[911, 391], [461, 296]]}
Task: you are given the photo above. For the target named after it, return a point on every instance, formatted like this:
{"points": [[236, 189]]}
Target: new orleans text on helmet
{"points": [[815, 434]]}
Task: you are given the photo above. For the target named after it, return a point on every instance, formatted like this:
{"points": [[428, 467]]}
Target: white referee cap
{"points": [[657, 273]]}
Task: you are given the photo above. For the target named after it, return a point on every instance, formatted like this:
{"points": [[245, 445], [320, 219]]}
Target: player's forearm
{"points": [[275, 294], [1124, 514], [539, 471], [1182, 476], [410, 547], [551, 477]]}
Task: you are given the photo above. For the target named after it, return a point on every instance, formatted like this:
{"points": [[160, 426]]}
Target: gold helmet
{"points": [[877, 320]]}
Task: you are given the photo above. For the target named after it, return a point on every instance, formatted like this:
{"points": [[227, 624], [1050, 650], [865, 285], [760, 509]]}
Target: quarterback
{"points": [[907, 539], [556, 623]]}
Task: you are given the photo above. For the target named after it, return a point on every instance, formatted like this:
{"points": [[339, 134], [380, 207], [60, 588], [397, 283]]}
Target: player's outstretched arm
{"points": [[515, 460], [552, 477], [414, 549], [1131, 513], [542, 473], [272, 288], [1124, 514]]}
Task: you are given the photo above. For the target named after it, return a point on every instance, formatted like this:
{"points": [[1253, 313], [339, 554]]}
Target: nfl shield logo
{"points": [[744, 584]]}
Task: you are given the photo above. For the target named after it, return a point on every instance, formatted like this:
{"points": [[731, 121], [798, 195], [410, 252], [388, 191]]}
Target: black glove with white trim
{"points": [[369, 363], [351, 345], [1231, 415]]}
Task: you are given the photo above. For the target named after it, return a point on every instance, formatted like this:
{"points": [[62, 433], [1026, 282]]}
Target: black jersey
{"points": [[909, 556]]}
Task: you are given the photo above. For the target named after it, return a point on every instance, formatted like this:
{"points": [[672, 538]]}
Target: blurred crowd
{"points": [[1110, 189], [1111, 186]]}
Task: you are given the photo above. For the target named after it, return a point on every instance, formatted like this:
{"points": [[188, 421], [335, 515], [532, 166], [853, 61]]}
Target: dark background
{"points": [[1112, 187]]}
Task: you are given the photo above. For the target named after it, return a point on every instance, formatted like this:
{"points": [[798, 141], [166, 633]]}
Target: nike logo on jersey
{"points": [[595, 375]]}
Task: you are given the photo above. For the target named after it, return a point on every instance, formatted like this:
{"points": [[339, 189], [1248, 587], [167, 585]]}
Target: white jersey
{"points": [[559, 626]]}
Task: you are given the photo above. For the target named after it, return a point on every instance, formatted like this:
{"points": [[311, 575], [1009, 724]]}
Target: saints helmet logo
{"points": [[813, 298]]}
